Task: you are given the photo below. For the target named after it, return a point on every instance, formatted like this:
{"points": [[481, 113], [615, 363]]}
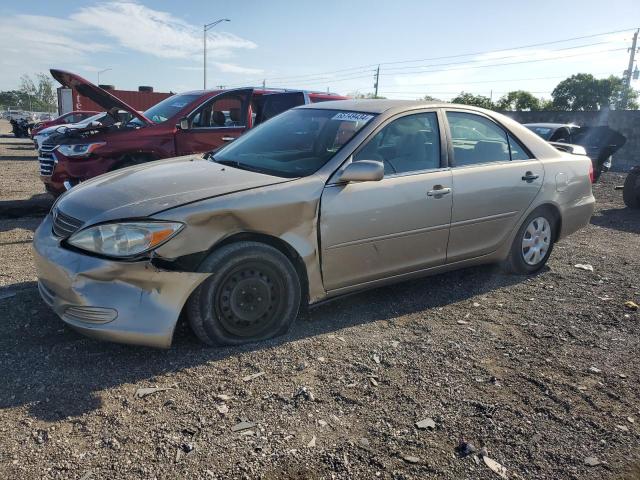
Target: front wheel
{"points": [[253, 294], [533, 243]]}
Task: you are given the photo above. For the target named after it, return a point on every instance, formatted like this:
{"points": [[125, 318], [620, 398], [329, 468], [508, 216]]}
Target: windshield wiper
{"points": [[238, 165]]}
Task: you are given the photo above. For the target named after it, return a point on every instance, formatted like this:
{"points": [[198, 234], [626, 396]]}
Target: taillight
{"points": [[592, 177]]}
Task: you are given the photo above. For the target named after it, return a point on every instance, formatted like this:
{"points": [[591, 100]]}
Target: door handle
{"points": [[228, 139], [438, 191], [530, 177]]}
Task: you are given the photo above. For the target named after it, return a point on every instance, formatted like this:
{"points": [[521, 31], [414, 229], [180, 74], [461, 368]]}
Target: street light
{"points": [[102, 71], [206, 28]]}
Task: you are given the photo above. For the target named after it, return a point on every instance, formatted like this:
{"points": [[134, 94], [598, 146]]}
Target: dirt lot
{"points": [[543, 372]]}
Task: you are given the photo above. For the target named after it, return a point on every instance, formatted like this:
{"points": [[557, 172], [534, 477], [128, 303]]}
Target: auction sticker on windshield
{"points": [[352, 117]]}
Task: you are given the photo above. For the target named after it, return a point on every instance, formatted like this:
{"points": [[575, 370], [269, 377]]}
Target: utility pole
{"points": [[375, 85], [629, 71], [207, 27], [264, 83]]}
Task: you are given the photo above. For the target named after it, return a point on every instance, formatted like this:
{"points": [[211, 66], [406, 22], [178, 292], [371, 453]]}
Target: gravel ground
{"points": [[542, 372], [18, 157]]}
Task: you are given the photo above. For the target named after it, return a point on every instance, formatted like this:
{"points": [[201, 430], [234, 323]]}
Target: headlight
{"points": [[79, 150], [125, 239]]}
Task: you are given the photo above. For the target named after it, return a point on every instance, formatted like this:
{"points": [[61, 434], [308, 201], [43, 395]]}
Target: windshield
{"points": [[294, 144], [93, 118], [544, 132], [167, 108]]}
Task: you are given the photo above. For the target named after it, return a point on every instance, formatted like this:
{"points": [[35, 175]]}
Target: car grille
{"points": [[63, 225], [47, 159]]}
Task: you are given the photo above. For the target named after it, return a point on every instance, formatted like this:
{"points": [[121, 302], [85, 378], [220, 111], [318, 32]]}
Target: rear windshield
{"points": [[544, 132], [295, 143], [168, 107]]}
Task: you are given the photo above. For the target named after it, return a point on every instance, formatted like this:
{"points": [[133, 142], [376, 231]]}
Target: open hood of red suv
{"points": [[95, 93]]}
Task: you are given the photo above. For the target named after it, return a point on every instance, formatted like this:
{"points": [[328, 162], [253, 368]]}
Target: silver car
{"points": [[320, 201]]}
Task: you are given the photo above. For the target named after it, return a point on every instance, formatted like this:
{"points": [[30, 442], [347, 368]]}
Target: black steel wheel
{"points": [[253, 294]]}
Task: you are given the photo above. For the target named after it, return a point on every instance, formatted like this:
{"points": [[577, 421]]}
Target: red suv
{"points": [[186, 123], [71, 117]]}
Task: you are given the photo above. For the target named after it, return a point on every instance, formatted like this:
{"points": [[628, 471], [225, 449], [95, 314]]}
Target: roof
{"points": [[383, 105], [550, 125], [260, 90]]}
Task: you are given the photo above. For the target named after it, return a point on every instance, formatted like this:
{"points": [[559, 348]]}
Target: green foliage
{"points": [[357, 94], [585, 92], [520, 100], [475, 100], [37, 94]]}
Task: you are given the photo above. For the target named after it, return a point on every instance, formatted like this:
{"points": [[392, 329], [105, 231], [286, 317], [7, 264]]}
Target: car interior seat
{"points": [[486, 151], [218, 119], [234, 115]]}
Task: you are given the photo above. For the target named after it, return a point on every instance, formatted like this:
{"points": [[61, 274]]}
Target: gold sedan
{"points": [[320, 201]]}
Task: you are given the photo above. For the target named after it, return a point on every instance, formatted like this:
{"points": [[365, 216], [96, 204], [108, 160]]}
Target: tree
{"points": [[359, 95], [429, 98], [585, 92], [519, 100], [35, 95], [475, 100]]}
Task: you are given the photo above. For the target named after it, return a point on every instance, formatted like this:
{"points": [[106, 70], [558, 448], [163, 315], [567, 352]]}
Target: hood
{"points": [[79, 126], [141, 191], [53, 128], [95, 93]]}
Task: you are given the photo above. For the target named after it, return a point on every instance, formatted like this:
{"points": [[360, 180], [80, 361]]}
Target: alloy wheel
{"points": [[536, 241]]}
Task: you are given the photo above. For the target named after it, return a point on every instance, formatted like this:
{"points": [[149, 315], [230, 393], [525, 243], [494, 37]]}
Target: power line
{"points": [[331, 81], [345, 77], [531, 45], [508, 63], [496, 58], [501, 80]]}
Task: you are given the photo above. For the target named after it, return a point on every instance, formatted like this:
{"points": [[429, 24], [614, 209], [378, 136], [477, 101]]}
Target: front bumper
{"points": [[125, 302]]}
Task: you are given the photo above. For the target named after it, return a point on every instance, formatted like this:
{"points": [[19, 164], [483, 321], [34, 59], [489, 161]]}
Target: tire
{"points": [[540, 226], [253, 294], [631, 191]]}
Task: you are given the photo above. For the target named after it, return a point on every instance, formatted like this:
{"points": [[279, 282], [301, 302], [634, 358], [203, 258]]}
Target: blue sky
{"points": [[320, 45]]}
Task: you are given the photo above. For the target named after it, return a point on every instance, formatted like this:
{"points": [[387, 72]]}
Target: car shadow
{"points": [[623, 219], [56, 373], [36, 206], [27, 143], [22, 158]]}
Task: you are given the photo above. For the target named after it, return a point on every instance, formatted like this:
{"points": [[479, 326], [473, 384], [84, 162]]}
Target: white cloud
{"points": [[156, 33], [35, 43], [233, 68]]}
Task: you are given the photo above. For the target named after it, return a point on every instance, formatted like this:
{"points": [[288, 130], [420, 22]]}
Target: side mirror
{"points": [[183, 124], [362, 171], [95, 123]]}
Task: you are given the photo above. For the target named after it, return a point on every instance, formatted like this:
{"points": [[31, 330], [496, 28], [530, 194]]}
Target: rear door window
{"points": [[270, 105], [476, 140]]}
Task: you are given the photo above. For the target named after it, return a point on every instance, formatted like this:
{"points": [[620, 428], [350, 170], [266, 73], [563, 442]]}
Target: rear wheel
{"points": [[253, 294], [631, 191], [533, 243]]}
